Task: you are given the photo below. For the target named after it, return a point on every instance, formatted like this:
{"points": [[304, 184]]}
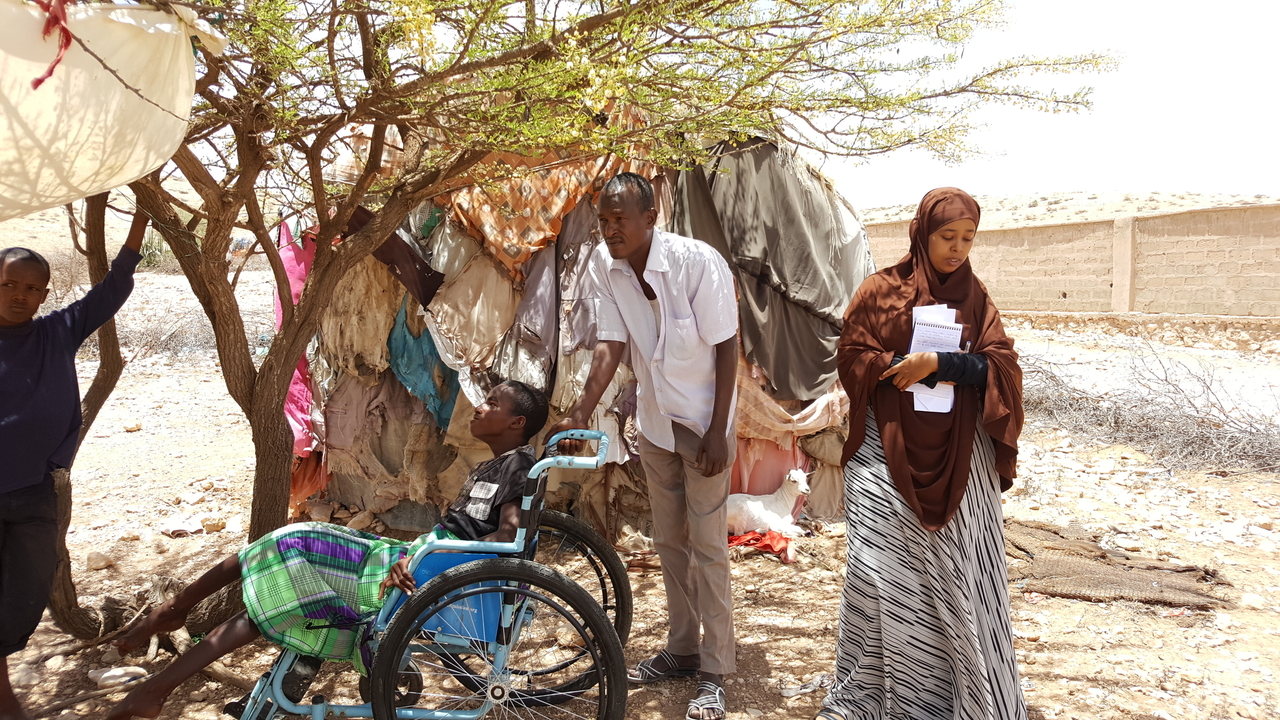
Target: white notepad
{"points": [[934, 330]]}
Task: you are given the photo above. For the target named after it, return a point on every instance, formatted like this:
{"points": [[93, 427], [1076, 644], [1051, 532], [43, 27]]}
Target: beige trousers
{"points": [[690, 532]]}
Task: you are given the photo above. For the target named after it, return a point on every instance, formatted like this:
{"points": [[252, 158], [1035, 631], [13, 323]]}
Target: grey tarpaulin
{"points": [[798, 253], [528, 350], [573, 252]]}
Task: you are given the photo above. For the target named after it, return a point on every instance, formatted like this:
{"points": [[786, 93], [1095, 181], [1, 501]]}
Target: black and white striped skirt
{"points": [[925, 632]]}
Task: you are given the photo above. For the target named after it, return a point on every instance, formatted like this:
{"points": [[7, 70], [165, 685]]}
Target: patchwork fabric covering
{"points": [[517, 217], [507, 300]]}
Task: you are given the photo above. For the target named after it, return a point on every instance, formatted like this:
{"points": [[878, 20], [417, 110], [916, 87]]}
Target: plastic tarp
{"points": [[84, 131], [798, 253]]}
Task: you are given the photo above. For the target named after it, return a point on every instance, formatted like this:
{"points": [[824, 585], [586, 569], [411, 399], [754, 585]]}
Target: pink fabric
{"points": [[297, 259], [762, 465]]}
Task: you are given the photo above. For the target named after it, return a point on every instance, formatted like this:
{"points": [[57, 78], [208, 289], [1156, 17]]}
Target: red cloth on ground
{"points": [[772, 542]]}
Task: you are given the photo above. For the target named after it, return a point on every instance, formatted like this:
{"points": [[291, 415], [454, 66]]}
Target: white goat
{"points": [[769, 512]]}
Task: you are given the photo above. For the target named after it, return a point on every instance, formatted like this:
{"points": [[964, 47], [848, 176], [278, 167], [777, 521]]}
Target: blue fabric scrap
{"points": [[418, 367]]}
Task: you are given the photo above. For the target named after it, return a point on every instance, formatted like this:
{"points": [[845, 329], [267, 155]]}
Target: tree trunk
{"points": [[273, 450], [64, 602]]}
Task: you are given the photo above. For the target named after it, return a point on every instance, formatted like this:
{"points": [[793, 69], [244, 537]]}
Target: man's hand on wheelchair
{"points": [[570, 422], [398, 577]]}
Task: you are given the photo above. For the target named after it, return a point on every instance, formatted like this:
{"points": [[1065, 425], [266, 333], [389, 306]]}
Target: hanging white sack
{"points": [[84, 131]]}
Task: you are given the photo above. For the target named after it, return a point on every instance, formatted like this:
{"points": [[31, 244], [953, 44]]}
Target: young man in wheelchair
{"points": [[311, 587]]}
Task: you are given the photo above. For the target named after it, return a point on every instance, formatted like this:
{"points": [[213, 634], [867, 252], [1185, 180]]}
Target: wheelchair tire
{"points": [[575, 550], [563, 657]]}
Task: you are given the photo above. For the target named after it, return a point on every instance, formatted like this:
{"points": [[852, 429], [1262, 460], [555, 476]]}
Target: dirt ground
{"points": [[170, 446]]}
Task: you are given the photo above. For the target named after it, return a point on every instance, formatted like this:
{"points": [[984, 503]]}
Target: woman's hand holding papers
{"points": [[913, 368]]}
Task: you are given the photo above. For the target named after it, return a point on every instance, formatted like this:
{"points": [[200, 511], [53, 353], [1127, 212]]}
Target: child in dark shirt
{"points": [[311, 571], [40, 428]]}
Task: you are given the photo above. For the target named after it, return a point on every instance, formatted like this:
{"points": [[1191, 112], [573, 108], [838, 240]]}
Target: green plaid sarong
{"points": [[313, 587]]}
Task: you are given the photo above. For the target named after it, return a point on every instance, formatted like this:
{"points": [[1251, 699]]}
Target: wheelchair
{"points": [[491, 627]]}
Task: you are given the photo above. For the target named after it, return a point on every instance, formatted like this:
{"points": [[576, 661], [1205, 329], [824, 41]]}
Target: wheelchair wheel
{"points": [[575, 550], [502, 634]]}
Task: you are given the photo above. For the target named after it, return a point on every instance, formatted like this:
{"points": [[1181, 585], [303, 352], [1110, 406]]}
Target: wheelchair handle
{"points": [[570, 461]]}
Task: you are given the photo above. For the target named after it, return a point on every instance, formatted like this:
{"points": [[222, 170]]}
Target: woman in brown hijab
{"points": [[924, 622]]}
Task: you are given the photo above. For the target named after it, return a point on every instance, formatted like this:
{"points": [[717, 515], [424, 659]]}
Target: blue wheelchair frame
{"points": [[269, 690]]}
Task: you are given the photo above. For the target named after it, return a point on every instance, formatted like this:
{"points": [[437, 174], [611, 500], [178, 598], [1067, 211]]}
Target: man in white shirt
{"points": [[672, 298]]}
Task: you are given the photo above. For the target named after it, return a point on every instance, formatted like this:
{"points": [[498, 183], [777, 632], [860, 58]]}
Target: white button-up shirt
{"points": [[674, 358]]}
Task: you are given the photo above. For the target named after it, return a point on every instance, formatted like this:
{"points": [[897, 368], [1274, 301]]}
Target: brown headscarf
{"points": [[928, 454]]}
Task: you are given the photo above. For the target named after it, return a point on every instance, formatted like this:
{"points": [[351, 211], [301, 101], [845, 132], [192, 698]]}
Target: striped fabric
{"points": [[309, 587], [925, 632]]}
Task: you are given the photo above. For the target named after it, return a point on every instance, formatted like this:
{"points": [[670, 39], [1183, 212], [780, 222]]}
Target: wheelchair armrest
{"points": [[569, 461]]}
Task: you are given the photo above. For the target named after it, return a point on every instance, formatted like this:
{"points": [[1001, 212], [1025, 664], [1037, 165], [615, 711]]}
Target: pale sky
{"points": [[1194, 106]]}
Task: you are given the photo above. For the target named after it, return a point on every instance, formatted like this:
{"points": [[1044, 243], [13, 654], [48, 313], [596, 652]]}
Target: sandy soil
{"points": [[192, 458]]}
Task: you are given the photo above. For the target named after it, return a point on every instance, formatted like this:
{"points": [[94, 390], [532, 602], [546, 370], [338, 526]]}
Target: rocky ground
{"points": [[162, 487]]}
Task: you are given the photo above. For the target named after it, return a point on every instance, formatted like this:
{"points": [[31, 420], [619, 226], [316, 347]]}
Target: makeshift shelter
{"points": [[484, 285], [87, 116]]}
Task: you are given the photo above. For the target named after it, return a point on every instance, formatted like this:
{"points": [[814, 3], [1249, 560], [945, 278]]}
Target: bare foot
{"points": [[140, 703], [161, 620]]}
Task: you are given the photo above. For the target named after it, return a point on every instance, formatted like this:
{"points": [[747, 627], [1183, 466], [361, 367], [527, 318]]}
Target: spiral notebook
{"points": [[934, 329]]}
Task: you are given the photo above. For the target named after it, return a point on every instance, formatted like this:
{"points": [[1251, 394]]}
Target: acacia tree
{"points": [[461, 80]]}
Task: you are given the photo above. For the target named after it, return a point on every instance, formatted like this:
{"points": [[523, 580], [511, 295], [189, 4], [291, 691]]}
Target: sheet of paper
{"points": [[933, 313], [930, 403]]}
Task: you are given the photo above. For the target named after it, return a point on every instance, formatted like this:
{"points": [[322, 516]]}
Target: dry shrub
{"points": [[68, 278], [1180, 415]]}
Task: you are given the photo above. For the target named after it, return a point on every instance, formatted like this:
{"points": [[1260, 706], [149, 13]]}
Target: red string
{"points": [[56, 20]]}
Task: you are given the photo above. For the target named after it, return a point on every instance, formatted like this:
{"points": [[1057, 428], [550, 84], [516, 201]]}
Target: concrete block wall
{"points": [[1215, 262], [1220, 261]]}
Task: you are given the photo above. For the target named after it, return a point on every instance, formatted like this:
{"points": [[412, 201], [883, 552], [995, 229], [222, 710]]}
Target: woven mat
{"points": [[1069, 563]]}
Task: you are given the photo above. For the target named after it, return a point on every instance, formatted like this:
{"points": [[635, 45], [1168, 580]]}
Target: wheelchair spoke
{"points": [[514, 638]]}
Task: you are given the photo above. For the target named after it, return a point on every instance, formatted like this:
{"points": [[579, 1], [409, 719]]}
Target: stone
{"points": [[362, 520], [319, 511], [1253, 600], [1271, 346], [54, 662], [129, 536], [213, 523], [68, 715], [98, 561], [113, 677], [111, 656], [753, 712], [135, 427], [1130, 544], [199, 695], [24, 676], [235, 524]]}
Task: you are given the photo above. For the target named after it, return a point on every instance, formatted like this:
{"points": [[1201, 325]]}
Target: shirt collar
{"points": [[657, 261]]}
